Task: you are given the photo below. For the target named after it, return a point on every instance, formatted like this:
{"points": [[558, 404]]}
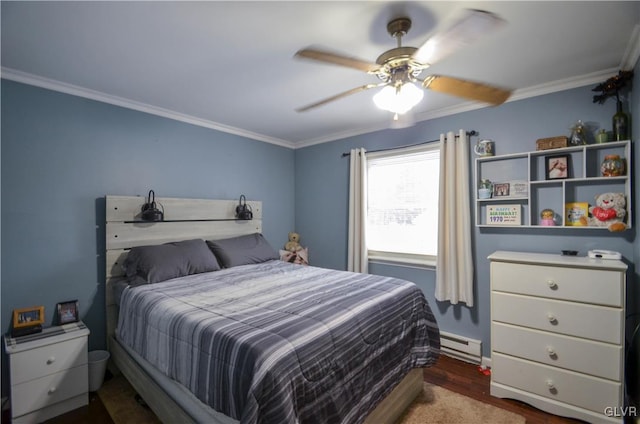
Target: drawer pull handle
{"points": [[52, 390], [552, 318], [552, 284], [551, 351], [51, 360], [550, 385]]}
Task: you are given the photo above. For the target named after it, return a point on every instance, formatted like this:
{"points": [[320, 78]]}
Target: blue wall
{"points": [[322, 195], [62, 154]]}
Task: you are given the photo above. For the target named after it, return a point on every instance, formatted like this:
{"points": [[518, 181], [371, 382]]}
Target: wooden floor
{"points": [[467, 380], [449, 373]]}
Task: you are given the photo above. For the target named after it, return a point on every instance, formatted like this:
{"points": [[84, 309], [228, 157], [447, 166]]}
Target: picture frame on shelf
{"points": [[28, 317], [519, 189], [501, 190], [557, 167], [576, 214], [67, 312]]}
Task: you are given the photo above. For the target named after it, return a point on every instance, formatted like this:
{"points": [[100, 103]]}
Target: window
{"points": [[402, 204]]}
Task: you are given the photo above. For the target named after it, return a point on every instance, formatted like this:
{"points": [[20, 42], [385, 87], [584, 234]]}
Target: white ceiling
{"points": [[230, 65]]}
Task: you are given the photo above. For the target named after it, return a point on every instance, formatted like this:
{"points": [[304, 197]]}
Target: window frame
{"points": [[398, 258]]}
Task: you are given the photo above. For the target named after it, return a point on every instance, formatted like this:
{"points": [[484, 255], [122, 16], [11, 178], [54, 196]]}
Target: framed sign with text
{"points": [[504, 215]]}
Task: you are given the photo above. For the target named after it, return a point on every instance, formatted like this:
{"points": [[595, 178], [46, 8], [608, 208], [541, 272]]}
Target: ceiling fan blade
{"points": [[464, 30], [467, 89], [339, 96], [337, 59]]}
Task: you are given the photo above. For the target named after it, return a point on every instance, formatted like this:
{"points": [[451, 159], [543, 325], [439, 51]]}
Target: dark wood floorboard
{"points": [[452, 374]]}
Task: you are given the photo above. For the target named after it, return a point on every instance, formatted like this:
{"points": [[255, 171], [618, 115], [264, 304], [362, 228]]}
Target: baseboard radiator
{"points": [[460, 347]]}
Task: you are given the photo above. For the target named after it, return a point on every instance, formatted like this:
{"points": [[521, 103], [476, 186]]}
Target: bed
{"points": [[294, 351]]}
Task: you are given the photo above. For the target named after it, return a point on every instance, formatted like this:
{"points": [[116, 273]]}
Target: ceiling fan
{"points": [[400, 68]]}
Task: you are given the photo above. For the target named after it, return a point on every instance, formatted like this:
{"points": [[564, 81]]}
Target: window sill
{"points": [[402, 261]]}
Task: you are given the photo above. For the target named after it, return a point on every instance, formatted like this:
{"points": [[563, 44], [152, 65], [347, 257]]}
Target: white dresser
{"points": [[557, 333], [48, 372]]}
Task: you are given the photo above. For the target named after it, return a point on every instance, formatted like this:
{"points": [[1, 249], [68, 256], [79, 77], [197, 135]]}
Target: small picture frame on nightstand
{"points": [[67, 312], [28, 317]]}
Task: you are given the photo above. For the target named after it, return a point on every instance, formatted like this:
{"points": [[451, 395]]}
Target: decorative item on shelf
{"points": [[150, 211], [519, 188], [243, 211], [602, 136], [67, 312], [485, 190], [578, 134], [576, 213], [547, 218], [557, 167], [620, 123], [484, 148], [504, 215], [501, 190], [552, 142], [612, 166], [27, 321], [609, 211], [612, 87]]}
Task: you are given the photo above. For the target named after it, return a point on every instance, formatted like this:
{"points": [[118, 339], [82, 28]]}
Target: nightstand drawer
{"points": [[600, 287], [48, 359], [592, 393], [36, 394], [574, 319], [582, 355]]}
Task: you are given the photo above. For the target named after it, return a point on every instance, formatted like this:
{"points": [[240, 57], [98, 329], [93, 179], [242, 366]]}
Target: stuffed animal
{"points": [[609, 212], [293, 244]]}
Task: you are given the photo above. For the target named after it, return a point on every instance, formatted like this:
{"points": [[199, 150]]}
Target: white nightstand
{"points": [[49, 372]]}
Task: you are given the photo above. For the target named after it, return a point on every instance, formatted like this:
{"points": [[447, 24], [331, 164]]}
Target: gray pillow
{"points": [[242, 250], [152, 264]]}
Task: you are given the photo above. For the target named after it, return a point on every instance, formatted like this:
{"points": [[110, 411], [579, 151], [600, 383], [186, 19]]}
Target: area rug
{"points": [[434, 405]]}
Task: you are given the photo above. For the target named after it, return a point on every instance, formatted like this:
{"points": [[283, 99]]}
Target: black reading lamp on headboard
{"points": [[149, 210], [243, 211]]}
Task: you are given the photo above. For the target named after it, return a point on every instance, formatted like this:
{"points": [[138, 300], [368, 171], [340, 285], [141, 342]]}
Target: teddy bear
{"points": [[293, 244], [609, 212]]}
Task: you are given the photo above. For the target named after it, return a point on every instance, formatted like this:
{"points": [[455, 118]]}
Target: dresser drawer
{"points": [[574, 319], [45, 391], [582, 355], [48, 359], [602, 287], [580, 390]]}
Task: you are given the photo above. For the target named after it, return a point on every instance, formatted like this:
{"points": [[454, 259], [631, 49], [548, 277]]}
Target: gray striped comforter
{"points": [[282, 343]]}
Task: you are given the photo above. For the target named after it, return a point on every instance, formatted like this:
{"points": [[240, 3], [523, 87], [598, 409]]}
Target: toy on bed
{"points": [[293, 252], [609, 212]]}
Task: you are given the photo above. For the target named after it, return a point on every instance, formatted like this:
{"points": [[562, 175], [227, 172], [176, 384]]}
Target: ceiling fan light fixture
{"points": [[400, 100]]}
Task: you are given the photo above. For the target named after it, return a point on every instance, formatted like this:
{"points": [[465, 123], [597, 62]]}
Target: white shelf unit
{"points": [[584, 182]]}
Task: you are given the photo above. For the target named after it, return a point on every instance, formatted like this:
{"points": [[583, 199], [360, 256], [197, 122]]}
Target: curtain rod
{"points": [[469, 133]]}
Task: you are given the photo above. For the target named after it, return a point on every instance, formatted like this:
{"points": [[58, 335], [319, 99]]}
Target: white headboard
{"points": [[184, 219]]}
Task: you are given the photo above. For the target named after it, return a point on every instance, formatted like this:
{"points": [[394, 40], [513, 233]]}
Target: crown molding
{"points": [[632, 53], [50, 84], [521, 94], [631, 56]]}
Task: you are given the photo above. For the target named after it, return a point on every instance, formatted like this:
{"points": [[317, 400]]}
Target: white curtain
{"points": [[358, 260], [454, 272]]}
